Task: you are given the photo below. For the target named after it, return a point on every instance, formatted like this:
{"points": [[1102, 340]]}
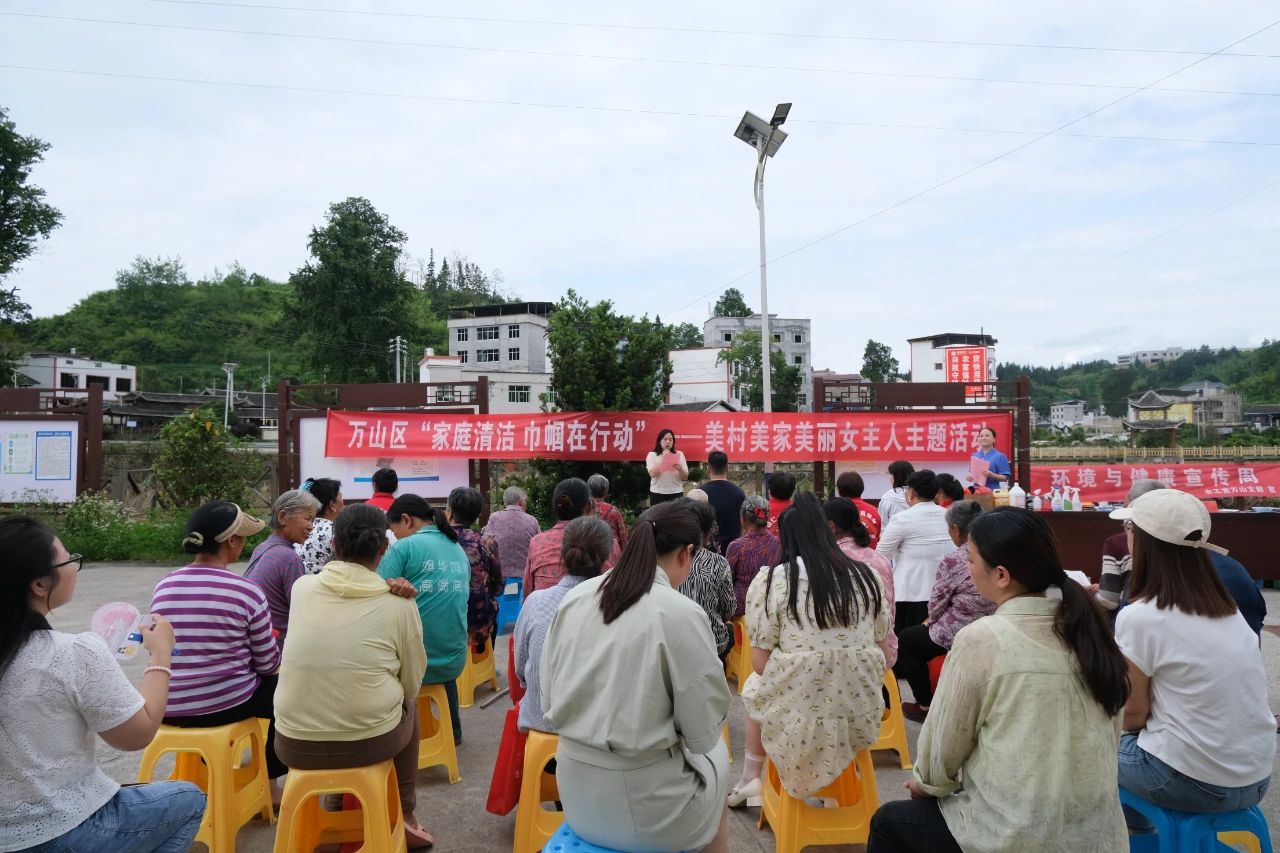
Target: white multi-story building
{"points": [[507, 343], [929, 354], [791, 336], [1068, 413], [698, 375], [1149, 357], [71, 374]]}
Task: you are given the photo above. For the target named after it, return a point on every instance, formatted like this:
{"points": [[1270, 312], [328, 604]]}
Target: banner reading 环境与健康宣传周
{"points": [[607, 436], [1211, 480]]}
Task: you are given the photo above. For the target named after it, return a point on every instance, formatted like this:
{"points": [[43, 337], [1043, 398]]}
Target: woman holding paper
{"points": [[989, 460], [667, 469]]}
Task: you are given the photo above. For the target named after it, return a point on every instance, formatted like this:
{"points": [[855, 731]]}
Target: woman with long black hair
{"points": [[815, 622], [632, 684], [1019, 749], [667, 469]]}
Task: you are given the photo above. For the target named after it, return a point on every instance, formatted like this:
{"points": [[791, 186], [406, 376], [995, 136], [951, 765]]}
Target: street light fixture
{"points": [[766, 137], [230, 369]]}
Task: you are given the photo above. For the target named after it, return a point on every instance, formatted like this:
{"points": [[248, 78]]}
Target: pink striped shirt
{"points": [[223, 633]]}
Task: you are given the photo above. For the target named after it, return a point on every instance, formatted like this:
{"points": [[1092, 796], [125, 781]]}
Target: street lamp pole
{"points": [[230, 369]]}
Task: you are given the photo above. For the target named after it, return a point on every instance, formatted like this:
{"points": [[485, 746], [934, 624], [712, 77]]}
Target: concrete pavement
{"points": [[455, 814]]}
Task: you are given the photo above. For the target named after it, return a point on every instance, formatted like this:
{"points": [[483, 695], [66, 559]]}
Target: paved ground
{"points": [[456, 813]]}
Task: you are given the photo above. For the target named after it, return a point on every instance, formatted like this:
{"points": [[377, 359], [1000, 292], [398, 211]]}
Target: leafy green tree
{"points": [[731, 304], [199, 460], [744, 358], [686, 336], [25, 219], [604, 361], [878, 363], [352, 297]]}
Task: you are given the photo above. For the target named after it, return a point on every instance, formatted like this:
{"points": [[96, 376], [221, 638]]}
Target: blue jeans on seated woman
{"points": [[163, 817], [1153, 780]]}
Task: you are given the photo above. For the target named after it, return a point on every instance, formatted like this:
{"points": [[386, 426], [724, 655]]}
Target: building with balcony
{"points": [[70, 374]]}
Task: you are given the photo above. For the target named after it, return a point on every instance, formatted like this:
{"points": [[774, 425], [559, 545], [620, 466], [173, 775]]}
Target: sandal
{"points": [[416, 836]]}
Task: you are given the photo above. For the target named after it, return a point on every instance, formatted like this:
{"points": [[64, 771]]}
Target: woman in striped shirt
{"points": [[227, 668]]}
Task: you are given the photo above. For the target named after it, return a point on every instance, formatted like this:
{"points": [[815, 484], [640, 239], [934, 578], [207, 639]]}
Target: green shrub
{"points": [[199, 461]]}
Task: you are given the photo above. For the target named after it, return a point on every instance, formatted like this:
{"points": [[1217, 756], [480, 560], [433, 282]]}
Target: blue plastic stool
{"points": [[567, 841], [509, 603], [1187, 832]]}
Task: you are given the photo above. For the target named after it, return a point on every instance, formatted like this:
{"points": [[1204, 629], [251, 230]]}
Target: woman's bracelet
{"points": [[163, 669]]}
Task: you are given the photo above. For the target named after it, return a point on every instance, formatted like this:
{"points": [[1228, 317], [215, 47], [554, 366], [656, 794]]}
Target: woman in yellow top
{"points": [[349, 680], [1019, 749]]}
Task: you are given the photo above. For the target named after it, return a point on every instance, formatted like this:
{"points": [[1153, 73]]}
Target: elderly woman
{"points": [[755, 549], [710, 581], [641, 764], [58, 694], [274, 565], [318, 547], [353, 665], [464, 508], [227, 672], [954, 603]]}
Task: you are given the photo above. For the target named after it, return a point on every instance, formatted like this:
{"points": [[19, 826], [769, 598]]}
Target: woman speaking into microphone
{"points": [[667, 469]]}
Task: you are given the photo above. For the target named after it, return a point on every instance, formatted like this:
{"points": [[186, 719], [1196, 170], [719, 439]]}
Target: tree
{"points": [[685, 336], [25, 219], [731, 304], [785, 379], [604, 361], [351, 297], [199, 461], [878, 363]]}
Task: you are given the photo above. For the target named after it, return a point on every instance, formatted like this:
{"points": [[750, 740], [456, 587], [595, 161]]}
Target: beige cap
{"points": [[1171, 516]]}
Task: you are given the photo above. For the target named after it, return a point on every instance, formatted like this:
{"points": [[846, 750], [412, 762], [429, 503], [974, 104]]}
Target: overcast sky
{"points": [[589, 145]]}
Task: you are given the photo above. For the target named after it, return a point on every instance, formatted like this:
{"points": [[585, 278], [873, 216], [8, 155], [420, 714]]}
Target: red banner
{"points": [[601, 436], [1208, 480]]}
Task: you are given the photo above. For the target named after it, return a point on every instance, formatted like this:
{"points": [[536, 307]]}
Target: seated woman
{"points": [[854, 538], [586, 545], [954, 603], [639, 704], [1019, 747], [56, 691], [710, 582], [352, 667], [950, 490], [1198, 730], [426, 554], [318, 547], [274, 565], [227, 670], [542, 570], [815, 621], [754, 550], [464, 508]]}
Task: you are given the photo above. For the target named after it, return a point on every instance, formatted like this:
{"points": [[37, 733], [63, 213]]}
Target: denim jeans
{"points": [[1153, 780], [162, 817]]}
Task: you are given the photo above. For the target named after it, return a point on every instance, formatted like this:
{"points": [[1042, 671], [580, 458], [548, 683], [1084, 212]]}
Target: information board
{"points": [[39, 460], [428, 477]]}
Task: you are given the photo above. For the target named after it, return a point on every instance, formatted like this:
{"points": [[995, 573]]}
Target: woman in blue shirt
{"points": [[998, 470], [427, 554]]}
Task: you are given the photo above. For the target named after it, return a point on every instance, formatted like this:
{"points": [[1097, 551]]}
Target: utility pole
{"points": [[229, 368], [399, 349]]}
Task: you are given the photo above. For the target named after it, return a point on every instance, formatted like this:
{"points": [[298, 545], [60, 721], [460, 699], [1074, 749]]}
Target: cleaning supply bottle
{"points": [[1076, 504], [1066, 499], [1057, 503], [1017, 496], [1037, 503]]}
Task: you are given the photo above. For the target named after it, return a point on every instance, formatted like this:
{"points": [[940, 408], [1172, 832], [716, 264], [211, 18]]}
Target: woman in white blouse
{"points": [[56, 692], [667, 469], [1019, 749], [639, 705]]}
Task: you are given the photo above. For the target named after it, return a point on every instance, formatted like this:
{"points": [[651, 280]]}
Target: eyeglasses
{"points": [[1128, 524], [78, 559]]}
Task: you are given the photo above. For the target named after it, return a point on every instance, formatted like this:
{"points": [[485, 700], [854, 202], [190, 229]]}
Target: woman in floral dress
{"points": [[815, 621]]}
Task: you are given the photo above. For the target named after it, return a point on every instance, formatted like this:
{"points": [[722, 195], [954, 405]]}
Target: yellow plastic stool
{"points": [[210, 757], [479, 669], [728, 746], [435, 731], [737, 664], [534, 824], [893, 726], [304, 825], [797, 825]]}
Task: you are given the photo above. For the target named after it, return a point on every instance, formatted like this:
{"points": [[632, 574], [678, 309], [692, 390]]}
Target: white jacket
{"points": [[916, 539]]}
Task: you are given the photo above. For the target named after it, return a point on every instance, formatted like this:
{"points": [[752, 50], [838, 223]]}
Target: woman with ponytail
{"points": [[631, 681], [815, 623], [349, 682], [426, 553], [1019, 749], [543, 568]]}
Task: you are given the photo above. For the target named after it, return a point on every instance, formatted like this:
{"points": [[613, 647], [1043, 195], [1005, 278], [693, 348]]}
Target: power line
{"points": [[707, 30], [368, 93], [608, 57], [947, 181]]}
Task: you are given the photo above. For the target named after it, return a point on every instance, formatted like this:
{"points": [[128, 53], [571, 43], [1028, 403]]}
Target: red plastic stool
{"points": [[935, 670]]}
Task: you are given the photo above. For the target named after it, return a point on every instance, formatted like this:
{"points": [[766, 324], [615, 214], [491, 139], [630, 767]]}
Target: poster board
{"points": [[428, 477], [39, 460], [876, 480]]}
